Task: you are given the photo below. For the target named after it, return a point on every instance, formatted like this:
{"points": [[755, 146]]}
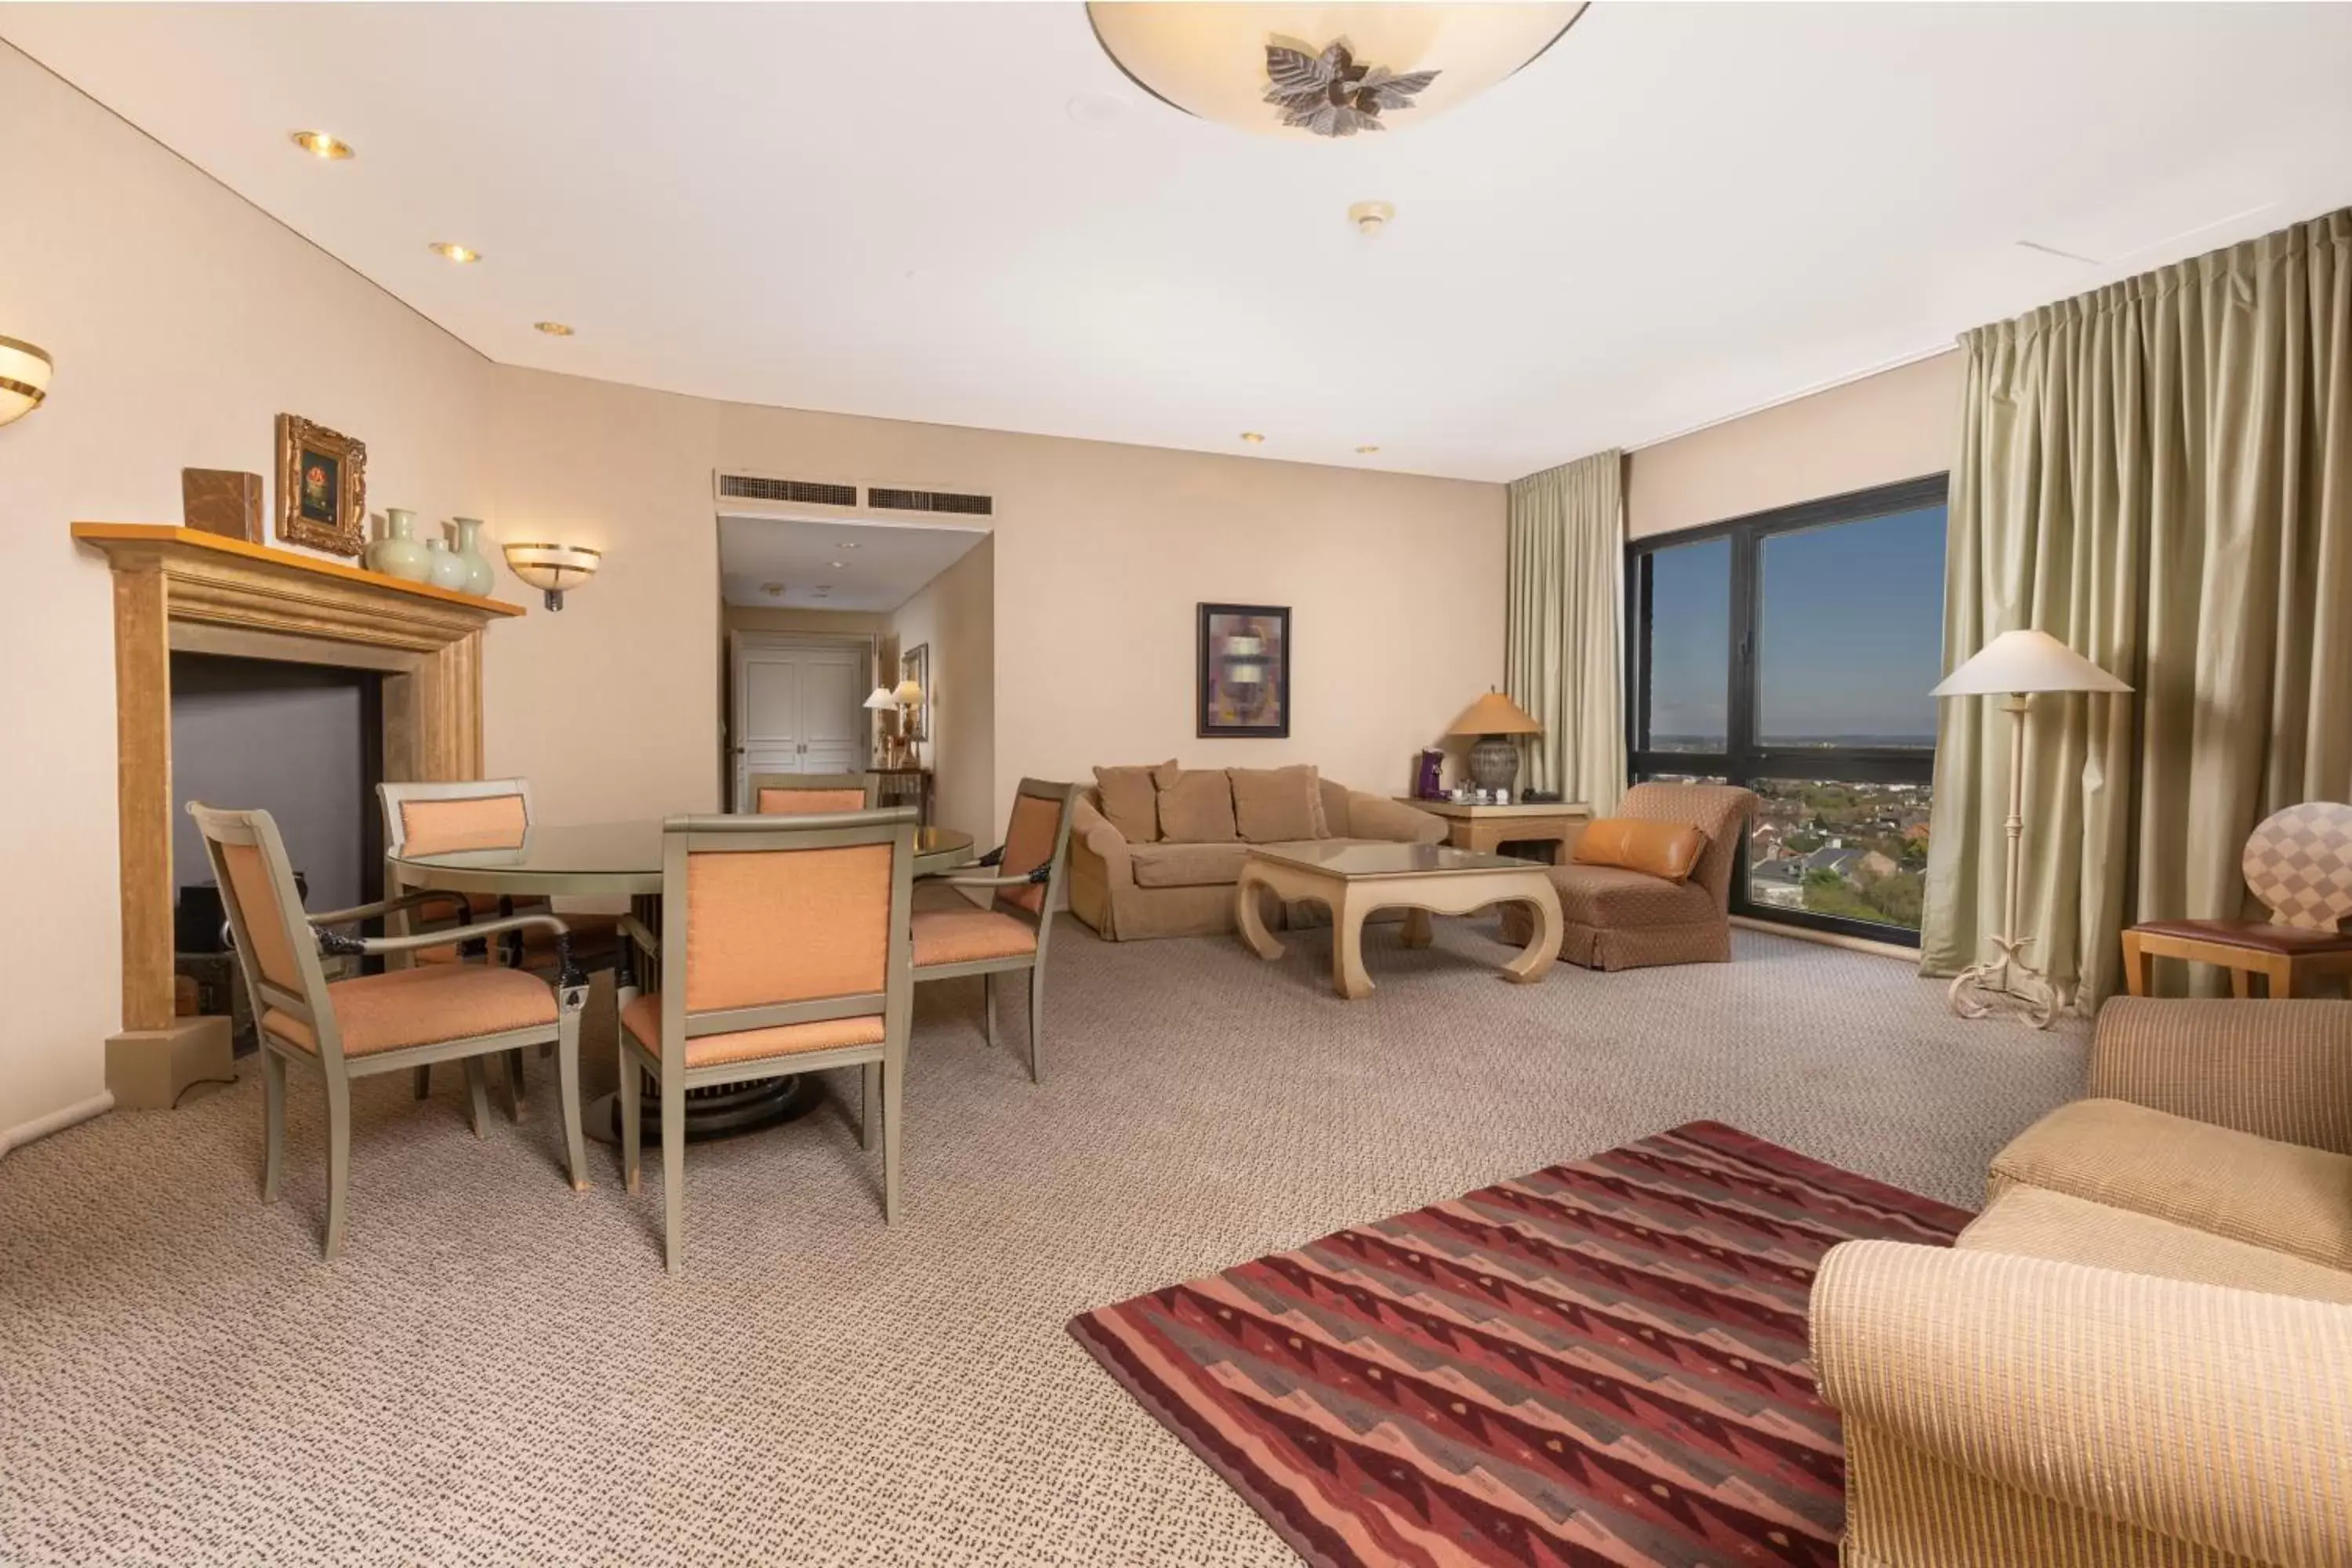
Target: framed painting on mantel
{"points": [[321, 488], [1245, 674]]}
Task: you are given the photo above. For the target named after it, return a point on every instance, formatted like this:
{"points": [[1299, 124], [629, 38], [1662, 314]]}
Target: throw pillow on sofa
{"points": [[1197, 809], [1277, 806], [1665, 849], [1130, 798]]}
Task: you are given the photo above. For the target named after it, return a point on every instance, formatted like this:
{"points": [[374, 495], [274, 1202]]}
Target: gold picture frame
{"points": [[914, 665], [321, 488]]}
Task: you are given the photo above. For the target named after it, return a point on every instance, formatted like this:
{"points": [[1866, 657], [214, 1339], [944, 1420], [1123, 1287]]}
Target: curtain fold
{"points": [[2159, 474], [1567, 577]]}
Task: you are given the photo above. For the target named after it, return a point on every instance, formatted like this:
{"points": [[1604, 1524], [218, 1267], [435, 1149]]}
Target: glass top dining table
{"points": [[601, 859]]}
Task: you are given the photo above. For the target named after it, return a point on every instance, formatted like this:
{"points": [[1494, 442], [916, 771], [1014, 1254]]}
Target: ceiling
{"points": [[967, 215], [857, 565]]}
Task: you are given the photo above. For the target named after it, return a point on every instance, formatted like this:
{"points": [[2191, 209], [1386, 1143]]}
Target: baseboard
{"points": [[149, 1069], [57, 1120], [1829, 939]]}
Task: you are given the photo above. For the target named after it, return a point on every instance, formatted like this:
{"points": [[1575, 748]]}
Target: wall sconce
{"points": [[553, 568], [24, 379]]}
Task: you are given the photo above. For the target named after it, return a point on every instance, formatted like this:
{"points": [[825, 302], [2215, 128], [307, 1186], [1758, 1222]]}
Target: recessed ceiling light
{"points": [[1254, 438], [1367, 451], [837, 566], [454, 251], [319, 144], [772, 589], [553, 329], [846, 544], [1371, 217]]}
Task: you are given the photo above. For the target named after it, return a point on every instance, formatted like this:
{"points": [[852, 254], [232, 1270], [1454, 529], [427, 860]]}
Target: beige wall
{"points": [[183, 321], [1897, 425], [822, 623], [954, 615]]}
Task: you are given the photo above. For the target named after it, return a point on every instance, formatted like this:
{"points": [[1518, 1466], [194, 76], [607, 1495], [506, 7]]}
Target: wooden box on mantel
{"points": [[221, 501]]}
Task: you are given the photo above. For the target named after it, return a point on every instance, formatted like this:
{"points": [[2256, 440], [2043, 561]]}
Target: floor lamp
{"points": [[2014, 665]]}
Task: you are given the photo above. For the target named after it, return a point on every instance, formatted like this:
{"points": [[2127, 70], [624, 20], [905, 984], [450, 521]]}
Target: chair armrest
{"points": [[635, 930], [2276, 1069], [2195, 1412], [331, 942], [1376, 816], [384, 907], [1093, 831]]}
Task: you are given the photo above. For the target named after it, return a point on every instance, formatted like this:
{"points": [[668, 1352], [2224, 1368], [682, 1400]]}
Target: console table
{"points": [[1487, 828]]}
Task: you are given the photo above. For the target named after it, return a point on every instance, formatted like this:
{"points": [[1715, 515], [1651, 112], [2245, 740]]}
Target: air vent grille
{"points": [[930, 500], [801, 492]]}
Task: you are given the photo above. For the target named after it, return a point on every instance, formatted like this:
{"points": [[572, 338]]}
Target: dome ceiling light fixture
{"points": [[1326, 71]]}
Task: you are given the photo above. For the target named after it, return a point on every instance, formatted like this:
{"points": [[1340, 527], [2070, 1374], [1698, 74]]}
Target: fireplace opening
{"points": [[302, 742]]}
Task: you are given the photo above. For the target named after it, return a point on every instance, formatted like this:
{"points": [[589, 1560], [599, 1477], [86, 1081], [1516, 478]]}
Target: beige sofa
{"points": [[2141, 1352], [1129, 889]]}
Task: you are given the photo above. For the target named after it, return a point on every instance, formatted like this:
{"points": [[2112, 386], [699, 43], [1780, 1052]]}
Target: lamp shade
{"points": [[1495, 714], [882, 701], [24, 379], [553, 568], [1210, 58], [910, 691], [2026, 660]]}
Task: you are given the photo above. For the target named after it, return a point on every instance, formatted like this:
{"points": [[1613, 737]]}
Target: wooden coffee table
{"points": [[1354, 879]]}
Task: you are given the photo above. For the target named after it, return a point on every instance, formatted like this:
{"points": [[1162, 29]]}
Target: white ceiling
{"points": [[868, 566], [1677, 214]]}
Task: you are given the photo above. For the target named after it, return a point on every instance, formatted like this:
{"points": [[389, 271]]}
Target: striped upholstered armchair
{"points": [[2141, 1352]]}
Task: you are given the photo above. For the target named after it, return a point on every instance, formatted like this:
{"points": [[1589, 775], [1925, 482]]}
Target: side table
{"points": [[1487, 828]]}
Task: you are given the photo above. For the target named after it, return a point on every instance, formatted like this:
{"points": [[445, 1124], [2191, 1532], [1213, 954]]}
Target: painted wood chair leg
{"points": [[338, 1161], [1036, 1018], [673, 1095], [273, 1118], [869, 1104], [512, 1064], [633, 1109], [988, 1006], [567, 1077], [477, 1097], [424, 1075], [894, 1101]]}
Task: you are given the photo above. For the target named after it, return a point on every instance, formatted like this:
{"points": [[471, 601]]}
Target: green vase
{"points": [[398, 553]]}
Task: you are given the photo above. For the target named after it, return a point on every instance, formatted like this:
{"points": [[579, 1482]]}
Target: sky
{"points": [[1851, 632]]}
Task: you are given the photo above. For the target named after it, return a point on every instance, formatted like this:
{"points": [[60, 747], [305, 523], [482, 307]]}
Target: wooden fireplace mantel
{"points": [[176, 588]]}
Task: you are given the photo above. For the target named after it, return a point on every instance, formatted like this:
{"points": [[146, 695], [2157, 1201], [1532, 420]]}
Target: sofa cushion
{"points": [[1277, 806], [1188, 865], [1197, 809], [1667, 849], [2029, 1222], [1130, 798], [2228, 1184], [1611, 896]]}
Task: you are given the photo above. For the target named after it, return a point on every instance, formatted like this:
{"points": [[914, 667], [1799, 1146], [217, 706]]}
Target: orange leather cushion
{"points": [[424, 1007], [447, 827], [785, 925], [809, 802], [642, 1018], [1667, 849], [265, 920], [968, 935], [1029, 844]]}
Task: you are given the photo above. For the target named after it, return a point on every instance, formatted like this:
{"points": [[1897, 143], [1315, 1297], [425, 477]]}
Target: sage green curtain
{"points": [[1560, 650], [2158, 473]]}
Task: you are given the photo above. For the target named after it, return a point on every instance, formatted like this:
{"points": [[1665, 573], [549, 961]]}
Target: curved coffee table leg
{"points": [[1348, 908], [1248, 919], [1543, 947], [1417, 931]]}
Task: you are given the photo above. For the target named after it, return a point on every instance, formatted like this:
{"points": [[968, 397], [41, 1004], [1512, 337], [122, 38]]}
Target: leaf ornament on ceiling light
{"points": [[1329, 94]]}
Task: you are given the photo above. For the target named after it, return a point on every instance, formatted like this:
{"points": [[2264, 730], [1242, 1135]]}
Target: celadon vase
{"points": [[398, 553], [479, 579], [445, 569]]}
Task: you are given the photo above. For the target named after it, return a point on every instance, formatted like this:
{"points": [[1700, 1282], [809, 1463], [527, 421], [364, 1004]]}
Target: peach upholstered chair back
{"points": [[1722, 812], [775, 921], [276, 946], [1037, 835], [799, 795], [452, 816]]}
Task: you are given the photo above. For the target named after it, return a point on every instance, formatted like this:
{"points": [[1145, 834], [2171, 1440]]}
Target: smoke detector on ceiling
{"points": [[1371, 217]]}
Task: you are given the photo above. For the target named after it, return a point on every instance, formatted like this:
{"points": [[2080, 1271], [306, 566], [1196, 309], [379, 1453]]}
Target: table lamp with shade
{"points": [[881, 700], [2015, 665], [1496, 721]]}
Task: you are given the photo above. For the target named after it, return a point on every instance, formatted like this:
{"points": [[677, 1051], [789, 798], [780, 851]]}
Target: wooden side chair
{"points": [[792, 795], [448, 816], [786, 949], [2298, 863], [385, 1022], [955, 938]]}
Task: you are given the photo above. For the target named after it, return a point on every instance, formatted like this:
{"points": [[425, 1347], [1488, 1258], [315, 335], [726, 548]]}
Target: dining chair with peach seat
{"points": [[392, 1022], [785, 949], [795, 795], [955, 938], [451, 817], [2298, 864]]}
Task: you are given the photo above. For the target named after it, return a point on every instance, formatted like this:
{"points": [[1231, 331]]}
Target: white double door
{"points": [[799, 707]]}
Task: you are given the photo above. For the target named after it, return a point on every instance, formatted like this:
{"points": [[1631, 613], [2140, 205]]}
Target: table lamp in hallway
{"points": [[1496, 721], [2016, 665]]}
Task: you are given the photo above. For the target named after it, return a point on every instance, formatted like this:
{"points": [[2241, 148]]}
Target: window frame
{"points": [[1742, 761]]}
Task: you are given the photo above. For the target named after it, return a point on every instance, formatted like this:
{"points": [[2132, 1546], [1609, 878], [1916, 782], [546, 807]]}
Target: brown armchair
{"points": [[1618, 919]]}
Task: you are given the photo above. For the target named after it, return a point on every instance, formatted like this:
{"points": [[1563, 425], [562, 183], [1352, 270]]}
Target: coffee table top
{"points": [[1347, 860]]}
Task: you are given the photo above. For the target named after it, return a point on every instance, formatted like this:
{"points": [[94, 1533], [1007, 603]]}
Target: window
{"points": [[1791, 652]]}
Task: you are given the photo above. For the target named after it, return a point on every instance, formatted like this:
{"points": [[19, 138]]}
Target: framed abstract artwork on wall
{"points": [[1245, 673]]}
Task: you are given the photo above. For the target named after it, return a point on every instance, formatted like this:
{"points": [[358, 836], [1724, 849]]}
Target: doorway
{"points": [[799, 706]]}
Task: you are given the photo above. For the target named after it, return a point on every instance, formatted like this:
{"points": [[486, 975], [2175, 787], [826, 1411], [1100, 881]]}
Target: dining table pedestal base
{"points": [[720, 1111]]}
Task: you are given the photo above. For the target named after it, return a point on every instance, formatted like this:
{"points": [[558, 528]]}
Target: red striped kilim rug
{"points": [[1603, 1362]]}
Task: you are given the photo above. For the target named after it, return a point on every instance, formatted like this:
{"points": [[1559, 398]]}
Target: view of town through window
{"points": [[1793, 655]]}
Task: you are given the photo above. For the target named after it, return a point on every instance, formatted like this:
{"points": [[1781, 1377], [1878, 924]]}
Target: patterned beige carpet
{"points": [[498, 1371]]}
